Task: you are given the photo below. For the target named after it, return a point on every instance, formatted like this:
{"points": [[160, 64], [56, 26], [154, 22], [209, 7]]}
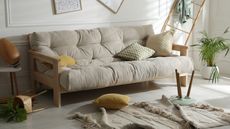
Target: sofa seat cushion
{"points": [[122, 72]]}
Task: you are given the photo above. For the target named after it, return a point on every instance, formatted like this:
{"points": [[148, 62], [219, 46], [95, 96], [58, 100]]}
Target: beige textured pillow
{"points": [[161, 43], [135, 52]]}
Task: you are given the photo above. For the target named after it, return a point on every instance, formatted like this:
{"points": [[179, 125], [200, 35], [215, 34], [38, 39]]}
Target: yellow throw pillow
{"points": [[112, 101], [66, 61]]}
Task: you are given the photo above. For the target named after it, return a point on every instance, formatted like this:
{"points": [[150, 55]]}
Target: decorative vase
{"points": [[207, 71]]}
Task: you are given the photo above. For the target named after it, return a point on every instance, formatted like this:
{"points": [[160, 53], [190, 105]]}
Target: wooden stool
{"points": [[178, 81], [13, 79], [179, 99]]}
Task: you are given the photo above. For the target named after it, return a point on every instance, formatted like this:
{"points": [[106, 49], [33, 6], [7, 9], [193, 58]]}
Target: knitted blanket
{"points": [[162, 115]]}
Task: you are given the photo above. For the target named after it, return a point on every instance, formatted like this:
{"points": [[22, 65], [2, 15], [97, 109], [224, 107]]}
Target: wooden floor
{"points": [[57, 118]]}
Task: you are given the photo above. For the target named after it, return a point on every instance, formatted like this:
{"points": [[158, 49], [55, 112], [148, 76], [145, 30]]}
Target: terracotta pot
{"points": [[207, 71]]}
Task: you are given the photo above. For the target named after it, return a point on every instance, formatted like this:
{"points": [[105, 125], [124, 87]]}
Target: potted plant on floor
{"points": [[209, 48], [11, 112]]}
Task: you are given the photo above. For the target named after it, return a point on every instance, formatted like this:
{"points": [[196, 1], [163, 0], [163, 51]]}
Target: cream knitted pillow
{"points": [[135, 52], [161, 43]]}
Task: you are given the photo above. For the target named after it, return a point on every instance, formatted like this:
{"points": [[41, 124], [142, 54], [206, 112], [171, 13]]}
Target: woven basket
{"points": [[24, 102]]}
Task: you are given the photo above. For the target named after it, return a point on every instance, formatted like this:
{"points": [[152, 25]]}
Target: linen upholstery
{"points": [[123, 72], [112, 39], [95, 50], [136, 33]]}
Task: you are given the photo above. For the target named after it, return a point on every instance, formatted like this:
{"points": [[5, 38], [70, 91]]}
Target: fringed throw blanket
{"points": [[162, 115]]}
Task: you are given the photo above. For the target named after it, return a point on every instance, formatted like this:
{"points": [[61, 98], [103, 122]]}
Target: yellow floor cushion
{"points": [[112, 101]]}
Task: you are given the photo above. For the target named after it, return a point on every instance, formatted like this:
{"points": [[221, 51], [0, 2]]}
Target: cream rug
{"points": [[162, 115]]}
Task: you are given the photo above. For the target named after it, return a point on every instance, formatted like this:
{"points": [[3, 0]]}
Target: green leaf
{"points": [[215, 75], [226, 52], [226, 30], [10, 112], [10, 117], [21, 114]]}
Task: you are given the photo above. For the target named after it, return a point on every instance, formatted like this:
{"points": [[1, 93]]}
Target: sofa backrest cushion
{"points": [[136, 33], [87, 45]]}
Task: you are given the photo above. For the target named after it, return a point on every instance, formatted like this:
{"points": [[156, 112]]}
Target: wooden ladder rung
{"points": [[194, 19], [178, 29]]}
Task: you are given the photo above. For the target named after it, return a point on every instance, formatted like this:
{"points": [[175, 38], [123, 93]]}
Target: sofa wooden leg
{"points": [[32, 68], [57, 97], [147, 83], [183, 80], [33, 83]]}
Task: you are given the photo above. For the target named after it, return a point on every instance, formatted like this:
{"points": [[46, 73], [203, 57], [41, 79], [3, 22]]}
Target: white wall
{"points": [[20, 17], [214, 19], [202, 25], [219, 21]]}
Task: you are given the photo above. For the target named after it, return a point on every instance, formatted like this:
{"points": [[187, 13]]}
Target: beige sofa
{"points": [[95, 50]]}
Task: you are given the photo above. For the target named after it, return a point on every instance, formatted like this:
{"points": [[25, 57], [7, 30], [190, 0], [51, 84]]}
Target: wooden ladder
{"points": [[195, 19]]}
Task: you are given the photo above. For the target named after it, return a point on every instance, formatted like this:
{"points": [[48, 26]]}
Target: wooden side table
{"points": [[13, 79]]}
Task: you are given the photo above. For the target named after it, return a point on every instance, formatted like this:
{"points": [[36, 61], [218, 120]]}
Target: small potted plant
{"points": [[209, 48], [11, 112]]}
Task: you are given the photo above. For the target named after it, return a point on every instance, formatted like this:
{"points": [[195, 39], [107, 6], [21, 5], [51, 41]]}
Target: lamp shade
{"points": [[8, 52]]}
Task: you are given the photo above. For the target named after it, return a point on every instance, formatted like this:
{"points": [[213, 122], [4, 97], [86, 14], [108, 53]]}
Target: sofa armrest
{"points": [[44, 58], [51, 62], [182, 48]]}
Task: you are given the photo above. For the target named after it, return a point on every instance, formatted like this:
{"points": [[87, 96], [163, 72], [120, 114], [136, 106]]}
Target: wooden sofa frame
{"points": [[53, 81]]}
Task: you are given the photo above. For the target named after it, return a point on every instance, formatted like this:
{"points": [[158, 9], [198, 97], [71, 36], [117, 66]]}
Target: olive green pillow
{"points": [[161, 43], [135, 52]]}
